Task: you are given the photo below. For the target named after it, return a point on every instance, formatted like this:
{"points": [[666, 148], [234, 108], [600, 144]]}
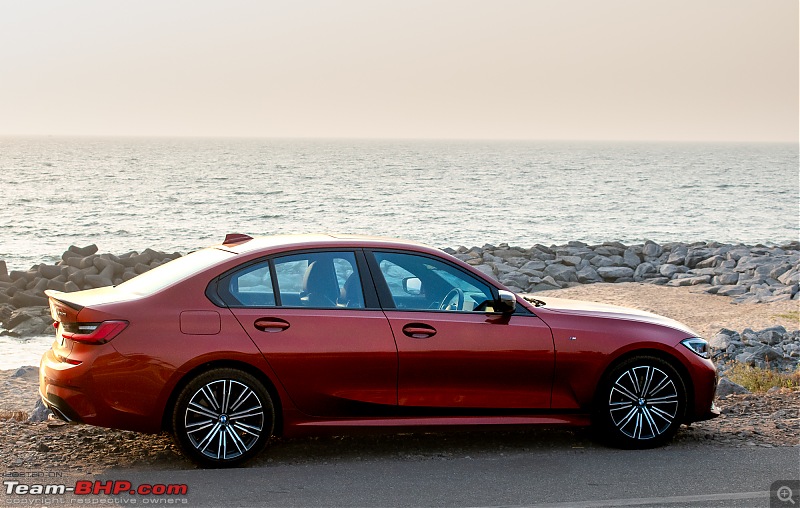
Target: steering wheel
{"points": [[446, 301]]}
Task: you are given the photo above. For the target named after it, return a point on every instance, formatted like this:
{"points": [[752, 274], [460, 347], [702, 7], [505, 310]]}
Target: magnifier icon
{"points": [[785, 494]]}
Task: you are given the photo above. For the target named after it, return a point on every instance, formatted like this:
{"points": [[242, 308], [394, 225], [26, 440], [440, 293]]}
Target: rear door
{"points": [[317, 322]]}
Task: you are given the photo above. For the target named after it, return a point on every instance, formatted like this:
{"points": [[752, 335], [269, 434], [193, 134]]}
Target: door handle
{"points": [[419, 330], [270, 324]]}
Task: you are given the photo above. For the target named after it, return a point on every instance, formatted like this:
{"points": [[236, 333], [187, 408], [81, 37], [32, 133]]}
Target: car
{"points": [[319, 334]]}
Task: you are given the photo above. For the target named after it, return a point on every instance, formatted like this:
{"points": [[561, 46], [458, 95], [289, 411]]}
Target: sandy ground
{"points": [[766, 420]]}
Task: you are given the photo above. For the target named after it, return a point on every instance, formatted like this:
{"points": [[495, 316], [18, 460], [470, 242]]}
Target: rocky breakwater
{"points": [[772, 348], [23, 305], [749, 274]]}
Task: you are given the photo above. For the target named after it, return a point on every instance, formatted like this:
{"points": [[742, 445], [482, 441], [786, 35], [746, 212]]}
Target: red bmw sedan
{"points": [[232, 344]]}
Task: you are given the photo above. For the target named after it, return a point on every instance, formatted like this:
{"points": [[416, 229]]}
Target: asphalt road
{"points": [[683, 474]]}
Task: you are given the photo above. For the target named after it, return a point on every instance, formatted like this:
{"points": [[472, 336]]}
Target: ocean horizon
{"points": [[180, 194]]}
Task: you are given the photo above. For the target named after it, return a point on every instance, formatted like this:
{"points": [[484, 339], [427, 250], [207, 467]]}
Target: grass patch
{"points": [[761, 380], [792, 314]]}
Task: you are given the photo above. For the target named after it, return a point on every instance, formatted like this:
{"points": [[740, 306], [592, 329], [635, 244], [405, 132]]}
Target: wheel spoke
{"points": [[624, 391], [197, 408], [663, 384], [650, 422], [253, 411], [210, 397], [648, 378], [237, 441], [246, 429], [198, 426], [209, 438], [667, 399], [663, 414], [240, 400]]}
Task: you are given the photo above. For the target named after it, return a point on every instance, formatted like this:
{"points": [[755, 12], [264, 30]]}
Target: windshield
{"points": [[174, 271]]}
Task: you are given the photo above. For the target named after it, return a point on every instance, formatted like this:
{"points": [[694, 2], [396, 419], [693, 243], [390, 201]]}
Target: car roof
{"points": [[320, 240]]}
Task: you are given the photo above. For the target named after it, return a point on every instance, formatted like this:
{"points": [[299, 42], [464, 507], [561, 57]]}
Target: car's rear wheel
{"points": [[641, 403], [223, 417]]}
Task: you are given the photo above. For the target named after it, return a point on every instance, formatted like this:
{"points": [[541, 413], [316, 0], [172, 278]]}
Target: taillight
{"points": [[92, 333]]}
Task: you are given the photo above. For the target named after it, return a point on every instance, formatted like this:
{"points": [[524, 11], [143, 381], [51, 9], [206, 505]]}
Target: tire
{"points": [[222, 418], [641, 403]]}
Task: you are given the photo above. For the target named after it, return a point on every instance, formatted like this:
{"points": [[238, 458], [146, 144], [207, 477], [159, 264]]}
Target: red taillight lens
{"points": [[93, 333]]}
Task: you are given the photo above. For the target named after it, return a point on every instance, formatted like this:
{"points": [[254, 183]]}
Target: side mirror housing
{"points": [[506, 302]]}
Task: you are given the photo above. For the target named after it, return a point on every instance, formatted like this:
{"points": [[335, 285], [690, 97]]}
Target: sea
{"points": [[181, 194]]}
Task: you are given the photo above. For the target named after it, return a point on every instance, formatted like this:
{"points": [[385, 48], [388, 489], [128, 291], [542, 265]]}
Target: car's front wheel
{"points": [[641, 403], [223, 417]]}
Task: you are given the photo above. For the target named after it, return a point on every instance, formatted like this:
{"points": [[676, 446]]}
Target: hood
{"points": [[581, 308]]}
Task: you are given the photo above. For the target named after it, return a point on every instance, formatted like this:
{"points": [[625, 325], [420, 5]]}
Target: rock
{"points": [[678, 256], [532, 266], [669, 270], [601, 261], [727, 387], [481, 268], [26, 371], [720, 341], [695, 256], [570, 260], [710, 262], [651, 249], [32, 326], [630, 258], [612, 273], [588, 275], [772, 335], [26, 299], [764, 352], [732, 291], [726, 279], [49, 271], [83, 251], [644, 270], [560, 272], [40, 413], [98, 281], [689, 281]]}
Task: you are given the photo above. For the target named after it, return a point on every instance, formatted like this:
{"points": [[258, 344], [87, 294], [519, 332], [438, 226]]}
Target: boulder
{"points": [[39, 413], [651, 249], [27, 299], [560, 272], [588, 275], [727, 387], [611, 273], [83, 251], [630, 258]]}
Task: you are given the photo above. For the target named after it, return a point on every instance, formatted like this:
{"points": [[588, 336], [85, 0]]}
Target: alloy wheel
{"points": [[643, 402], [224, 419]]}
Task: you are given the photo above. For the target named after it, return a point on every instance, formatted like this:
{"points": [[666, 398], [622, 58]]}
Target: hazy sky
{"points": [[582, 69]]}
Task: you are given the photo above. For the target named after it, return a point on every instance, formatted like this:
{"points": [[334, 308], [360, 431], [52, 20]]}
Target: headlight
{"points": [[698, 346]]}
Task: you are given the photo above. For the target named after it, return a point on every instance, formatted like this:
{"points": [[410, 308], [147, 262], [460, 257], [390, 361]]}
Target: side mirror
{"points": [[412, 285], [506, 302]]}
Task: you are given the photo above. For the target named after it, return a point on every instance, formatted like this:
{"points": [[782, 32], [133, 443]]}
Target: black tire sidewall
{"points": [[182, 402], [602, 417]]}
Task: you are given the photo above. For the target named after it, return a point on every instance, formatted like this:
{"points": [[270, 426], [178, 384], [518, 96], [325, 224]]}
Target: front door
{"points": [[454, 352]]}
